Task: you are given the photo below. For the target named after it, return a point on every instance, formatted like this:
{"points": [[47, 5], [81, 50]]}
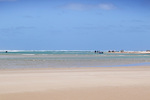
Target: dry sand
{"points": [[113, 83]]}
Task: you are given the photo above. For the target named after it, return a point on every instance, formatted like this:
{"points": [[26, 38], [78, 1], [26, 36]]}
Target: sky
{"points": [[74, 25]]}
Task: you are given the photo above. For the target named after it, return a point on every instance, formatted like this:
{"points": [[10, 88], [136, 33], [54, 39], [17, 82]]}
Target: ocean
{"points": [[16, 59]]}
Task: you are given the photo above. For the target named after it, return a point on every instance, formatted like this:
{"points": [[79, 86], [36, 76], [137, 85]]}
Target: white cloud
{"points": [[106, 6], [7, 0], [75, 6]]}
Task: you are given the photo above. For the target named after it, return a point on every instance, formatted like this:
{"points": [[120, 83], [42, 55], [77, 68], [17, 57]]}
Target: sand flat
{"points": [[112, 83]]}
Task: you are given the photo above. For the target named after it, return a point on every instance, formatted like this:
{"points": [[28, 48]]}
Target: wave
{"points": [[40, 50]]}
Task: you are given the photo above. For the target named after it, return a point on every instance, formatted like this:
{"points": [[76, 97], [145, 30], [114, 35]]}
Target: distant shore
{"points": [[131, 52], [111, 83]]}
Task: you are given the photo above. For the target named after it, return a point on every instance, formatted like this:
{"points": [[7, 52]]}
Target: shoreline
{"points": [[115, 83], [113, 67]]}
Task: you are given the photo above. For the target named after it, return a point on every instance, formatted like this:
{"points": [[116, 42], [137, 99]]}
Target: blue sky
{"points": [[74, 24]]}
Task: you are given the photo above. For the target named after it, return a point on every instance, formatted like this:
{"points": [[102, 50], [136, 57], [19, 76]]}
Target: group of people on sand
{"points": [[115, 51], [100, 52]]}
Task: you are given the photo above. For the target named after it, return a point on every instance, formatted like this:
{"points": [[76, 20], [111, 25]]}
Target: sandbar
{"points": [[90, 83]]}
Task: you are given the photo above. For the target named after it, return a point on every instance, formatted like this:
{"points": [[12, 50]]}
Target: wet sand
{"points": [[111, 83]]}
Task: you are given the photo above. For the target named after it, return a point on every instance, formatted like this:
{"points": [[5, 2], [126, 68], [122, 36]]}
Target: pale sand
{"points": [[114, 83]]}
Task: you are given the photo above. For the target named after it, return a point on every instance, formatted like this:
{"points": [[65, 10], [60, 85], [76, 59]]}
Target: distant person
{"points": [[6, 51]]}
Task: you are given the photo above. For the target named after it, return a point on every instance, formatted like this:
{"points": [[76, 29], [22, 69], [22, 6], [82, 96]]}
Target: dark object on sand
{"points": [[100, 52]]}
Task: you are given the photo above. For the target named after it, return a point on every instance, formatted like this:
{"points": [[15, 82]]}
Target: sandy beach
{"points": [[111, 83]]}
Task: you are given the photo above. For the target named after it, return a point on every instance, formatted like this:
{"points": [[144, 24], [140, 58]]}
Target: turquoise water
{"points": [[58, 59], [45, 52]]}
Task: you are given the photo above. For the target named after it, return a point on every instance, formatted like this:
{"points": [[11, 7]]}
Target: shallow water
{"points": [[59, 59]]}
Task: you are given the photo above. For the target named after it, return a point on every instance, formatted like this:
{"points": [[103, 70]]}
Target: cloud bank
{"points": [[78, 6]]}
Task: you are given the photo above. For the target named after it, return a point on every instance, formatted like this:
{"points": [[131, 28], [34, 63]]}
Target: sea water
{"points": [[66, 59]]}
